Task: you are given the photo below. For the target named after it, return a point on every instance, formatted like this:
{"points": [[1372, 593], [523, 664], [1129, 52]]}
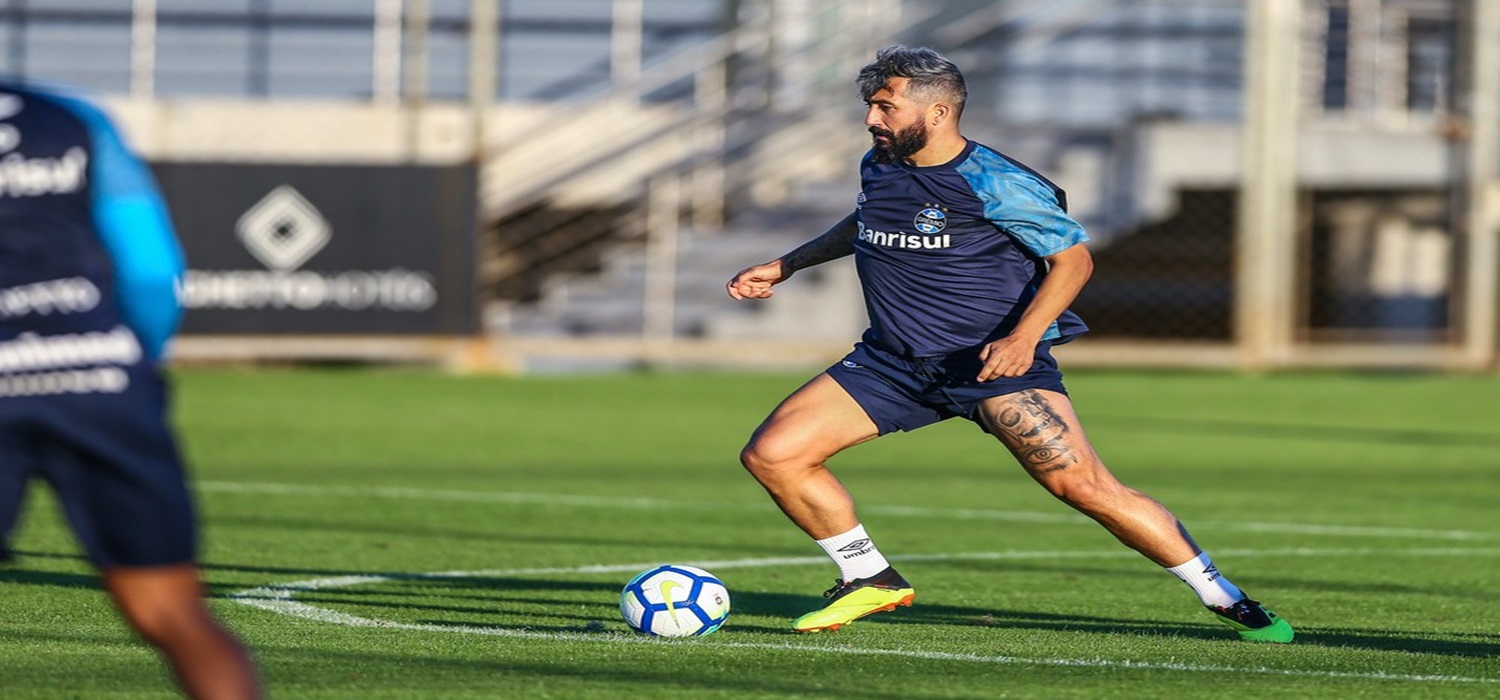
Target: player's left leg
{"points": [[164, 604], [1041, 429]]}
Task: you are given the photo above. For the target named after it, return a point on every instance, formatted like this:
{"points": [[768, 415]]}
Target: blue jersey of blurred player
{"points": [[88, 269], [968, 262]]}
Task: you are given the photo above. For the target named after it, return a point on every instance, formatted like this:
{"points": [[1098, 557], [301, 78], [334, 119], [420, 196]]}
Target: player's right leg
{"points": [[787, 454], [164, 605]]}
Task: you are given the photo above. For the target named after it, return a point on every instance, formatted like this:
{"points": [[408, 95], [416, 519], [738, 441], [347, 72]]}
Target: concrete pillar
{"points": [[143, 49], [1482, 229], [1265, 286]]}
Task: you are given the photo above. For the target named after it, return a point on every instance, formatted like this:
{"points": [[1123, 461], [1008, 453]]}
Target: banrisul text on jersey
{"points": [[887, 239]]}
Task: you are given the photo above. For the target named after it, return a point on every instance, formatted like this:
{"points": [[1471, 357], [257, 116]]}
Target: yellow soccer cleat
{"points": [[851, 600]]}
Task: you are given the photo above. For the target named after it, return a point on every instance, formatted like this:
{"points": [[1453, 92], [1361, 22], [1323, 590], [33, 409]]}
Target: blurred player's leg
{"points": [[16, 467], [165, 606], [12, 498], [121, 484]]}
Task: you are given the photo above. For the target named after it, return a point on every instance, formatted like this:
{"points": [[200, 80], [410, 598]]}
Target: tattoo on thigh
{"points": [[1034, 432]]}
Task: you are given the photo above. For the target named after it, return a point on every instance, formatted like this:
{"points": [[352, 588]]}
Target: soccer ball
{"points": [[675, 601]]}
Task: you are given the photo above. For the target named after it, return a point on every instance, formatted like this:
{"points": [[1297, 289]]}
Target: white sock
{"points": [[1204, 578], [855, 554]]}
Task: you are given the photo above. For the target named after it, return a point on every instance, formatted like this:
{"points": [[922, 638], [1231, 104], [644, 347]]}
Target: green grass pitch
{"points": [[410, 534]]}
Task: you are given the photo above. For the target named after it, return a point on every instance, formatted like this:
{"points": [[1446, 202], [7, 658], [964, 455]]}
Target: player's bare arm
{"points": [[755, 282], [1012, 355]]}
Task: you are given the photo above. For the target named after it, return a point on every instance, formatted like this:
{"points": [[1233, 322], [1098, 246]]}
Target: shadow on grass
{"points": [[16, 574], [1391, 640], [559, 600], [1466, 645], [1280, 431], [16, 571], [505, 597]]}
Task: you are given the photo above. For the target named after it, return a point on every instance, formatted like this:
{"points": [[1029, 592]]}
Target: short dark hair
{"points": [[932, 77]]}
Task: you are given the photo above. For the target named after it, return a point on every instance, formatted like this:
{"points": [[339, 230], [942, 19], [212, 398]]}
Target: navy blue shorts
{"points": [[905, 393], [112, 460]]}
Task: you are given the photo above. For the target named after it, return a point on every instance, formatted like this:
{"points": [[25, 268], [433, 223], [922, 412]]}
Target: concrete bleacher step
{"points": [[632, 143], [812, 305]]}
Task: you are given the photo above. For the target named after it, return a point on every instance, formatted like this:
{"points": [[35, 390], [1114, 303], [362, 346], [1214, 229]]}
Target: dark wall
{"points": [[305, 249]]}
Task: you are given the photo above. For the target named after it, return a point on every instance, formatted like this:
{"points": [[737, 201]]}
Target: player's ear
{"points": [[939, 113]]}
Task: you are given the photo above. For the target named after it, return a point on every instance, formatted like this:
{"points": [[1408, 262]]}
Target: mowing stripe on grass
{"points": [[577, 501], [279, 598]]}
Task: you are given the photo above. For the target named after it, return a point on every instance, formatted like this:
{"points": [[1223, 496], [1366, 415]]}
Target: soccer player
{"points": [[88, 270], [968, 262]]}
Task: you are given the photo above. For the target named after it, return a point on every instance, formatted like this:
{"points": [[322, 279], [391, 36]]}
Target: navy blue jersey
{"points": [[950, 255], [88, 258]]}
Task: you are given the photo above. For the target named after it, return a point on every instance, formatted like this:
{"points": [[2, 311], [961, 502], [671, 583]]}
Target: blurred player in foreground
{"points": [[968, 262], [88, 268]]}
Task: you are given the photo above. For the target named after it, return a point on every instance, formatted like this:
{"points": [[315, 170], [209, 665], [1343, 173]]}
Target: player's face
{"points": [[897, 125]]}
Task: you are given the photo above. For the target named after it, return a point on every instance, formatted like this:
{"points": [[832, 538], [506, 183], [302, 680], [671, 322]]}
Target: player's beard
{"points": [[901, 145]]}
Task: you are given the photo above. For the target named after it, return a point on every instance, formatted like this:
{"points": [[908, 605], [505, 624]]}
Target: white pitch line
{"points": [[278, 598], [655, 504]]}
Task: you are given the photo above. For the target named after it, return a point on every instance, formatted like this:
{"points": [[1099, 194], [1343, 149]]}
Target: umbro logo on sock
{"points": [[855, 545]]}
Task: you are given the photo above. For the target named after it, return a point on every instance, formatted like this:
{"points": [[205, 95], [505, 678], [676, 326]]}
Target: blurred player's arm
{"points": [[136, 229], [755, 282]]}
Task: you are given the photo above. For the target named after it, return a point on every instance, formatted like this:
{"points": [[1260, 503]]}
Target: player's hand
{"points": [[1010, 356], [755, 282]]}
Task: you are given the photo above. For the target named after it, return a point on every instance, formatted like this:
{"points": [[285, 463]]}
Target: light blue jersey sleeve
{"points": [[1021, 204], [136, 230]]}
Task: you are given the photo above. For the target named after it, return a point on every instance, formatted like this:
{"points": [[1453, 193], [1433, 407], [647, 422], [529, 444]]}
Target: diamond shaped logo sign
{"points": [[283, 230]]}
